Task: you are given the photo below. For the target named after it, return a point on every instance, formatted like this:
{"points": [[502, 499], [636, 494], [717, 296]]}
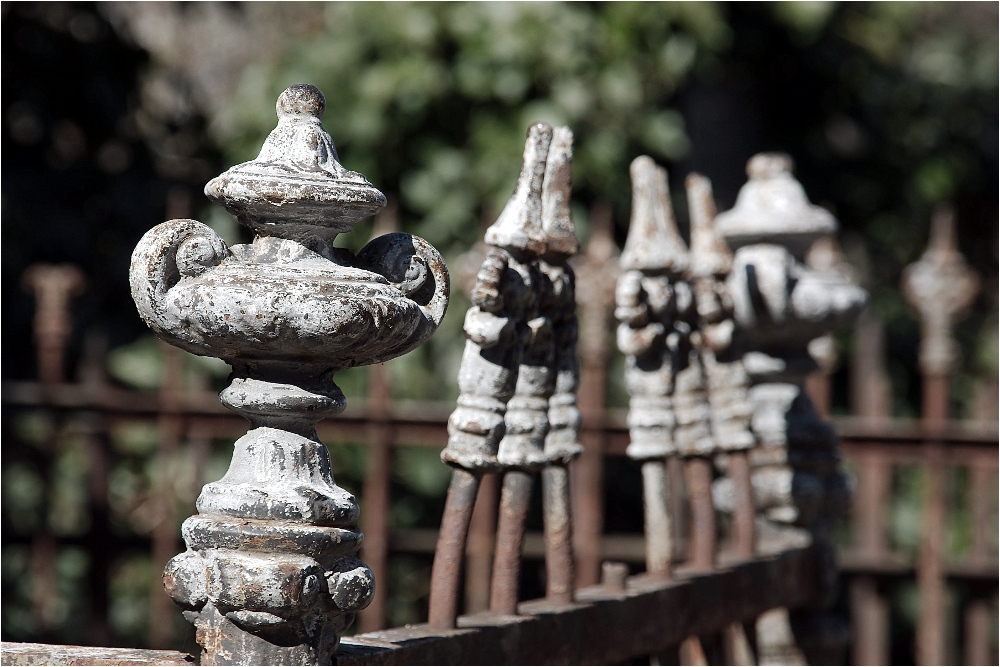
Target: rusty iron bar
{"points": [[481, 541], [515, 501], [701, 554], [978, 624], [930, 571], [870, 622], [744, 520], [739, 639], [96, 436], [560, 575], [977, 616], [930, 575], [657, 519], [53, 287], [869, 609], [164, 536], [614, 626], [692, 652], [375, 498], [446, 573]]}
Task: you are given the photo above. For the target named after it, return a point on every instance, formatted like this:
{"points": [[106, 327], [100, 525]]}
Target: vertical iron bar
{"points": [[658, 528], [446, 573], [376, 497], [559, 565], [930, 574], [869, 610], [596, 276], [701, 554], [744, 530], [515, 500], [479, 552], [164, 534]]}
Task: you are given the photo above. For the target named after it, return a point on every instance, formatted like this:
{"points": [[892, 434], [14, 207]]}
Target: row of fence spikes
{"points": [[516, 413]]}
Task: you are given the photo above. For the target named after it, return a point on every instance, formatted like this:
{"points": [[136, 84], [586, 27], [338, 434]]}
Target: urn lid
{"points": [[297, 178], [772, 207], [653, 244]]}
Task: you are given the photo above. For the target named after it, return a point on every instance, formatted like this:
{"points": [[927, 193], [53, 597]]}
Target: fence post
{"points": [[780, 305], [270, 574], [940, 287]]}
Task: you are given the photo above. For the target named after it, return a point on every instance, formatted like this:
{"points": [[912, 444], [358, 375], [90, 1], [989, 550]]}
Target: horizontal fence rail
{"points": [[893, 444]]}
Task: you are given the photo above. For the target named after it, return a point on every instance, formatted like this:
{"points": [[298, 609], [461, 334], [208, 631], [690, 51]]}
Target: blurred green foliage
{"points": [[888, 109]]}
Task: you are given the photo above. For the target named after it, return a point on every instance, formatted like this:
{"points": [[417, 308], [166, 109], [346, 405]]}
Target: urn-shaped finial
{"points": [[271, 563]]}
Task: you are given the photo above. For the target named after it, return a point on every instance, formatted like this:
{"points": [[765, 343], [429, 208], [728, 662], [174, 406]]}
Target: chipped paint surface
{"points": [[271, 575]]}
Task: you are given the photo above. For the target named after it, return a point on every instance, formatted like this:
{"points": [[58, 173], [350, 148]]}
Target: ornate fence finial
{"points": [[558, 302], [496, 329], [941, 287], [650, 296], [779, 306], [270, 575], [727, 382], [53, 285], [520, 348]]}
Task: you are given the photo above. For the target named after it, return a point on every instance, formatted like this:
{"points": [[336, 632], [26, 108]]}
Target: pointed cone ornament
{"points": [[557, 219], [653, 244], [710, 256], [772, 207], [519, 227]]}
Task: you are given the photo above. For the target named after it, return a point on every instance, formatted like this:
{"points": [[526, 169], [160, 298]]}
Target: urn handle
{"points": [[165, 255], [415, 267]]}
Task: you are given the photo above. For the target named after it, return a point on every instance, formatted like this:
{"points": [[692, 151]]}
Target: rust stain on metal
{"points": [[446, 573], [515, 499]]}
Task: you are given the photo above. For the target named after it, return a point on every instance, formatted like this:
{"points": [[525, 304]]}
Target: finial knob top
{"points": [[301, 99], [769, 165]]}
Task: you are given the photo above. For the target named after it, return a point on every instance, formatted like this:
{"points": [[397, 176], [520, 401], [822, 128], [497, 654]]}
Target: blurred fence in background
{"points": [[97, 478]]}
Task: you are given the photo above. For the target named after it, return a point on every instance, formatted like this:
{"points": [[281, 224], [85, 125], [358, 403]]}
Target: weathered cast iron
{"points": [[496, 330], [521, 450], [520, 353], [562, 442], [727, 383], [270, 575], [779, 306], [650, 298]]}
